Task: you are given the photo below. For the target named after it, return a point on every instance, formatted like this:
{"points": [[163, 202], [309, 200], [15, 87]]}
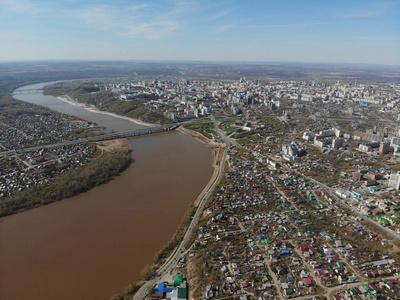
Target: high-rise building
{"points": [[395, 142], [385, 132], [372, 137], [308, 136], [364, 148], [384, 148], [357, 176], [338, 132], [337, 143], [394, 181]]}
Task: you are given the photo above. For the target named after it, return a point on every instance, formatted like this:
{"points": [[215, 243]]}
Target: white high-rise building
{"points": [[395, 142], [327, 132], [394, 181]]}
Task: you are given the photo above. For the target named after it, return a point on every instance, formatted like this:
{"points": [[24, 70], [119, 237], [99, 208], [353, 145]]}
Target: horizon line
{"points": [[196, 61]]}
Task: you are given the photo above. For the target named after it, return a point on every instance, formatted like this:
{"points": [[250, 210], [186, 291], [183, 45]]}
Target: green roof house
{"points": [[178, 279]]}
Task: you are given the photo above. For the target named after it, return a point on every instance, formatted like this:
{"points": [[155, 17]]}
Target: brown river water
{"points": [[93, 245]]}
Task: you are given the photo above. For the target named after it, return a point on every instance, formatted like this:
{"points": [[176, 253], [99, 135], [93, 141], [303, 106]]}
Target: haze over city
{"points": [[207, 150], [295, 31]]}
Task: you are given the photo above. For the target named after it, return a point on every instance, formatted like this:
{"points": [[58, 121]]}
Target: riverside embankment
{"points": [[93, 245], [165, 271]]}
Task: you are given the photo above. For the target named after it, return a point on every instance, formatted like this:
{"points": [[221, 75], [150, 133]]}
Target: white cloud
{"points": [[21, 6], [260, 26], [136, 21], [220, 15], [136, 7], [155, 30], [99, 17], [284, 25], [145, 21], [225, 27], [374, 10]]}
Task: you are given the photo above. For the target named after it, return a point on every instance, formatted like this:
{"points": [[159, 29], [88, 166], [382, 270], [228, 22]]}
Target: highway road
{"points": [[222, 134]]}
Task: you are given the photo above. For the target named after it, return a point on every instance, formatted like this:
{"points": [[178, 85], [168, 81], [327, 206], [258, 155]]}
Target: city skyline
{"points": [[288, 31]]}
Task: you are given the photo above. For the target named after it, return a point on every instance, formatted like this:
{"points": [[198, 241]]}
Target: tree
{"points": [[117, 297], [148, 272], [131, 289]]}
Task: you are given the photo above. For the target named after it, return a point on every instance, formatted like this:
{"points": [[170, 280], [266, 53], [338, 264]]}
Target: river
{"points": [[93, 245]]}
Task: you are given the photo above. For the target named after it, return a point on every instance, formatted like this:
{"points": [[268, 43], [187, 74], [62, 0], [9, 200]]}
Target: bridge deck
{"points": [[29, 91], [104, 137]]}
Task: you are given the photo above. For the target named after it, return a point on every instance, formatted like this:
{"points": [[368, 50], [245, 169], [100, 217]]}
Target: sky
{"points": [[349, 31]]}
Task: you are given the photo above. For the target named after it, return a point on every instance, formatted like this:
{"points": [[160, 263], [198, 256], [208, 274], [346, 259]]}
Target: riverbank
{"points": [[179, 239], [94, 109], [217, 149], [112, 159], [111, 227], [166, 269], [178, 242], [113, 145]]}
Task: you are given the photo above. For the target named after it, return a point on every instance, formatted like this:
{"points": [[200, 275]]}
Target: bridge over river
{"points": [[28, 91], [104, 137]]}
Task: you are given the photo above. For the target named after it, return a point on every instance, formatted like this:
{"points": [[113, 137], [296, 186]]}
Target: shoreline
{"points": [[112, 145], [94, 109], [31, 198], [217, 150]]}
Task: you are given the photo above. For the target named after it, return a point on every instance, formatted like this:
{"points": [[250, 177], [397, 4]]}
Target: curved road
{"points": [[222, 134]]}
